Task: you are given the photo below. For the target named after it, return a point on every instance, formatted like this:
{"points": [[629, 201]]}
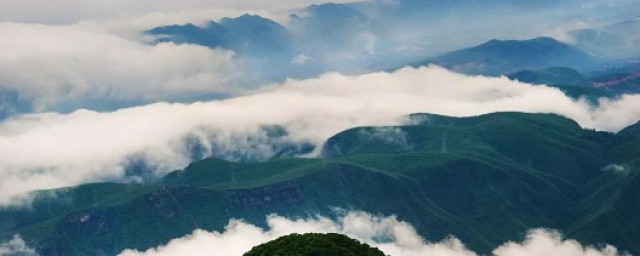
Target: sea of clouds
{"points": [[393, 237], [390, 235], [49, 150]]}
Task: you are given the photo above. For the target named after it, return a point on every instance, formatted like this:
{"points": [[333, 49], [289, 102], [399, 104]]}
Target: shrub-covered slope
{"points": [[485, 180]]}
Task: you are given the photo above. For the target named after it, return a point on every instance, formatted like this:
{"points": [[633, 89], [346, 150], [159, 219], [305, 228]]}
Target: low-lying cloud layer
{"points": [[393, 237], [53, 66], [52, 150], [16, 247], [544, 242]]}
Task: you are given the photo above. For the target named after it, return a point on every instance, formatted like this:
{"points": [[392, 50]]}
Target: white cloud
{"points": [[400, 238], [51, 150], [301, 59], [393, 237], [16, 247], [53, 65], [614, 115], [544, 242]]}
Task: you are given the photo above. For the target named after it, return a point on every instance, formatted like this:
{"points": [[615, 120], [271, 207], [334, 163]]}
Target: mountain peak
{"points": [[249, 20], [500, 57], [544, 39], [333, 10], [537, 40]]}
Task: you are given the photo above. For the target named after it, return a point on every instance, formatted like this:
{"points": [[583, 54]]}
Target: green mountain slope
{"points": [[628, 82], [485, 180], [552, 76]]}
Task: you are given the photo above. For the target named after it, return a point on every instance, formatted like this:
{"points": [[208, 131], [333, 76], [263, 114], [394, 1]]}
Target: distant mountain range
{"points": [[472, 178], [378, 35], [619, 40], [359, 37], [318, 39], [606, 84], [498, 57], [552, 76], [331, 36], [247, 34], [261, 44]]}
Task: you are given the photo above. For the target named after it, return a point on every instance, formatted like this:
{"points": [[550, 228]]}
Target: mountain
{"points": [[597, 42], [318, 39], [605, 83], [380, 35], [552, 76], [262, 47], [338, 37], [313, 245], [630, 28], [623, 82], [245, 35], [485, 180], [618, 40], [331, 20], [570, 81], [498, 57]]}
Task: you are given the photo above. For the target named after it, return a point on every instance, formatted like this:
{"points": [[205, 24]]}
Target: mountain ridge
{"points": [[500, 57], [479, 187]]}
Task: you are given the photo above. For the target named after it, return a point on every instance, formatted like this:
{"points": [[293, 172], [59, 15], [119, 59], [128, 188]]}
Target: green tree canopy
{"points": [[314, 245]]}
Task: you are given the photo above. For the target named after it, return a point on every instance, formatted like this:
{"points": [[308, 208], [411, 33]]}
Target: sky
{"points": [[73, 11]]}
